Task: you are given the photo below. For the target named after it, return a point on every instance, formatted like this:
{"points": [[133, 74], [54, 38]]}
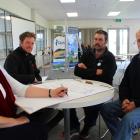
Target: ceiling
{"points": [[87, 9]]}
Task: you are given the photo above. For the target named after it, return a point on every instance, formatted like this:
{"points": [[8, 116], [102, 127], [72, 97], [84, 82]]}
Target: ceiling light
{"points": [[74, 14], [113, 13], [127, 0], [67, 1]]}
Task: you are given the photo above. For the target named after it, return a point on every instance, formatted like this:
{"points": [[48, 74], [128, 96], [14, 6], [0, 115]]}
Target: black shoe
{"points": [[84, 134]]}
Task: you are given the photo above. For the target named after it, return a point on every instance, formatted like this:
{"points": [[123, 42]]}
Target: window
{"points": [[40, 38], [118, 41], [2, 35], [5, 34], [8, 33]]}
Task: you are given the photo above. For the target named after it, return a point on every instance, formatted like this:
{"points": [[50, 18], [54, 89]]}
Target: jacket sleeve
{"points": [[109, 69], [11, 66], [88, 73], [36, 70], [18, 88], [85, 73], [137, 102], [124, 87]]}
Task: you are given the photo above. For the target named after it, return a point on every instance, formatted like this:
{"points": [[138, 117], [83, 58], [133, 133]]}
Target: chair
{"points": [[106, 132]]}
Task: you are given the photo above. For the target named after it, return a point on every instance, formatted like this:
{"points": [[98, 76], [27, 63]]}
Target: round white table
{"points": [[90, 100]]}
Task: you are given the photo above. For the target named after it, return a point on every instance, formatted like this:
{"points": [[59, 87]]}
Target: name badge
{"points": [[99, 64]]}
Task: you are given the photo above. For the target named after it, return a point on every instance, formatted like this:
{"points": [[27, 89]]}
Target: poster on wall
{"points": [[72, 43], [59, 52]]}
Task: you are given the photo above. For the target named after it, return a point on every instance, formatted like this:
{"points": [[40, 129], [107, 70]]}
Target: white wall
{"points": [[133, 26], [20, 9], [38, 19], [16, 7]]}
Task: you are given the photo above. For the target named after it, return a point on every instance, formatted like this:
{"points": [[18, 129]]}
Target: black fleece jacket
{"points": [[130, 85], [106, 62], [22, 66]]}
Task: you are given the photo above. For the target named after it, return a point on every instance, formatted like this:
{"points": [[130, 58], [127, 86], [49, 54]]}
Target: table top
{"points": [[98, 92], [90, 100]]}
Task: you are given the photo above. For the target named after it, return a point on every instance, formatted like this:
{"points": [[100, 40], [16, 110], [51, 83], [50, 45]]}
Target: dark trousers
{"points": [[91, 115], [49, 117], [40, 123], [29, 131]]}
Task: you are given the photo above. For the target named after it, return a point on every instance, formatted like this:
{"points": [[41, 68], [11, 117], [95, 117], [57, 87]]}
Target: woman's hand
{"points": [[59, 92], [10, 122], [22, 120]]}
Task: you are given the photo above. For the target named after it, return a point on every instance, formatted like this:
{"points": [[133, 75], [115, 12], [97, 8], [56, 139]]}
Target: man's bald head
{"points": [[138, 38], [138, 33]]}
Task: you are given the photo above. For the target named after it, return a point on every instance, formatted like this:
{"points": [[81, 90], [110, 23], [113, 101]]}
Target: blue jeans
{"points": [[121, 125]]}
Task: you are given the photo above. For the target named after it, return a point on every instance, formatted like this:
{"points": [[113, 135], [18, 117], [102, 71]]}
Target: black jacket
{"points": [[22, 66], [107, 63], [130, 85]]}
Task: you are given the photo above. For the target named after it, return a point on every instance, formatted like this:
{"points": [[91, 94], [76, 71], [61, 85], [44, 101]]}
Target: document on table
{"points": [[76, 89]]}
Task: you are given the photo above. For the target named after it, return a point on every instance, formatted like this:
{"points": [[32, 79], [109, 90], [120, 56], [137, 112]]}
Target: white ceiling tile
{"points": [[87, 9]]}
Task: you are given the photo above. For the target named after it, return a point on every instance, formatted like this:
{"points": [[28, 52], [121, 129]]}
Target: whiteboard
{"points": [[18, 27]]}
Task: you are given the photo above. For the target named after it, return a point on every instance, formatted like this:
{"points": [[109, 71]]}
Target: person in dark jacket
{"points": [[21, 64], [105, 65], [123, 115], [97, 64]]}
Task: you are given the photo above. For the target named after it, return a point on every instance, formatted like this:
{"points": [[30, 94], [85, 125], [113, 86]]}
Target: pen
{"points": [[64, 90]]}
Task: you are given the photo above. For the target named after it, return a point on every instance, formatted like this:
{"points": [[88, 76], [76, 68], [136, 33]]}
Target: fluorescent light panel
{"points": [[67, 1], [73, 14], [113, 13], [127, 0]]}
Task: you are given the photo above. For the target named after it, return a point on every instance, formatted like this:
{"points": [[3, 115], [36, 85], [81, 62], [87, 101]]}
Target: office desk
{"points": [[123, 57], [100, 93]]}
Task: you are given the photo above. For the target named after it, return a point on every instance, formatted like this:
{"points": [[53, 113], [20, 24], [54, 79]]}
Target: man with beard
{"points": [[97, 64], [21, 64]]}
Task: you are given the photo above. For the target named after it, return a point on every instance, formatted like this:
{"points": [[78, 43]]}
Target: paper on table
{"points": [[76, 86], [76, 89]]}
